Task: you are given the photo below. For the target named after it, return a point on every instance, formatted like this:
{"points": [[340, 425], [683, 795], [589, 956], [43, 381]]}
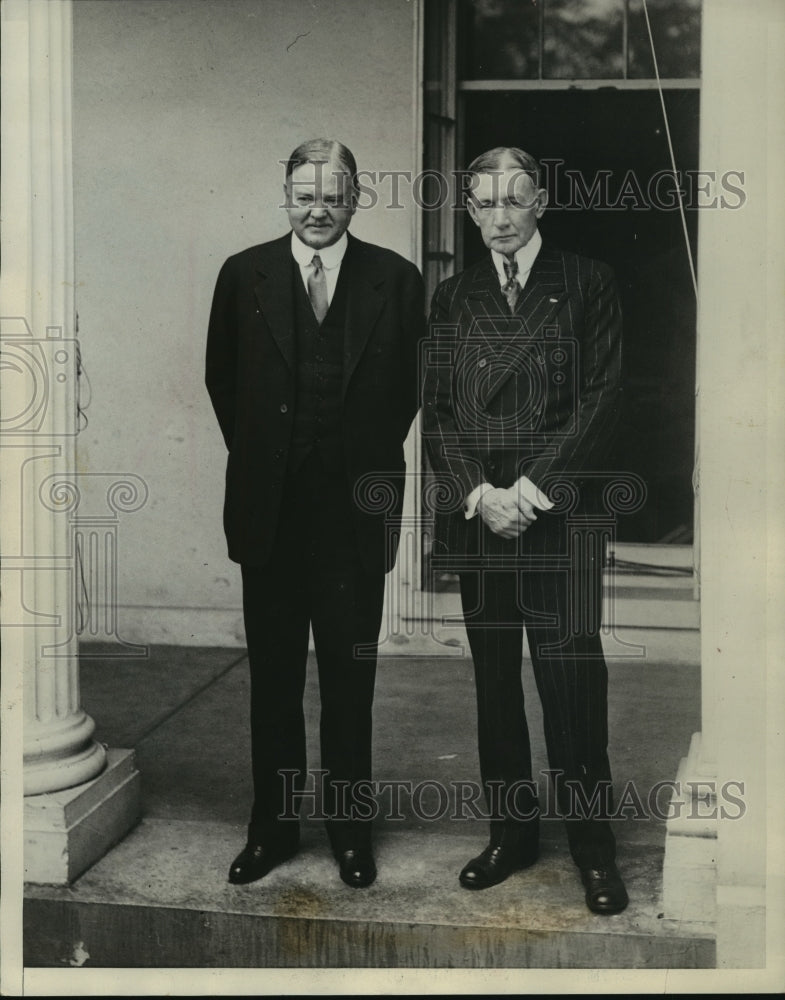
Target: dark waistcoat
{"points": [[318, 405]]}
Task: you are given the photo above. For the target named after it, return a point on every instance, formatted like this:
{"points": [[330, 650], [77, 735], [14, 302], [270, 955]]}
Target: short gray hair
{"points": [[492, 160], [323, 151]]}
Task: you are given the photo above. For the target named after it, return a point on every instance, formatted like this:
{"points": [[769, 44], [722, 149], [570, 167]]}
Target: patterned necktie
{"points": [[317, 288], [511, 289]]}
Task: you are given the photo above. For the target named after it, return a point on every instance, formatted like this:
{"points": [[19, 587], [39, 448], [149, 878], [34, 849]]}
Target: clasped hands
{"points": [[506, 512]]}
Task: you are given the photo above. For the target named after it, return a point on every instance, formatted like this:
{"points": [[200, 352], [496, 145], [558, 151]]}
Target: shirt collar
{"points": [[331, 256], [525, 257]]}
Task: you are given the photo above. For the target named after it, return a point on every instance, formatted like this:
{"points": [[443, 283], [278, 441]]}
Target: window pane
{"points": [[583, 39], [675, 26], [501, 39]]}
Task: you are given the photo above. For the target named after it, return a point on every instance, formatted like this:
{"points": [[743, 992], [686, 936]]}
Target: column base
{"points": [[67, 831], [741, 927], [689, 872]]}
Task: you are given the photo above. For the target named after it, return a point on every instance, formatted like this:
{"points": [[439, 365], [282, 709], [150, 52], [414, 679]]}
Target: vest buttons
{"points": [[284, 408]]}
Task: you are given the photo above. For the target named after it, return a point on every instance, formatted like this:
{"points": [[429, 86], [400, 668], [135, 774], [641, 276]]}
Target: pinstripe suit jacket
{"points": [[536, 393]]}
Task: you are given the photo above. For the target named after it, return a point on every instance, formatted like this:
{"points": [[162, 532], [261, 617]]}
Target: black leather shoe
{"points": [[495, 864], [256, 860], [605, 892], [357, 867]]}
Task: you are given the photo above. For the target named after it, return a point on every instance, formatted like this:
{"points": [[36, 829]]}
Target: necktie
{"points": [[511, 288], [317, 288]]}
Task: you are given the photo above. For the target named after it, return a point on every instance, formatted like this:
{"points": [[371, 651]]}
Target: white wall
{"points": [[182, 110]]}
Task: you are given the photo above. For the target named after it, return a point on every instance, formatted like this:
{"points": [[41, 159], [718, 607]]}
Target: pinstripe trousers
{"points": [[562, 629]]}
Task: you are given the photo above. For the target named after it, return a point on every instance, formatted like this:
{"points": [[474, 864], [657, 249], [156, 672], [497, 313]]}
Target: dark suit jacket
{"points": [[251, 378], [536, 394]]}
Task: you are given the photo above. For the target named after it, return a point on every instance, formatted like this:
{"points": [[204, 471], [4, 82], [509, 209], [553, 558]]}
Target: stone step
{"points": [[161, 899]]}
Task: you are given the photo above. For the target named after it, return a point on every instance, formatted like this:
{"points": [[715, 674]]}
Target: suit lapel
{"points": [[488, 306], [365, 299], [275, 296], [513, 337], [274, 292], [544, 292]]}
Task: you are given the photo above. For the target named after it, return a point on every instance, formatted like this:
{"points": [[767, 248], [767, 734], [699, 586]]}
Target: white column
{"points": [[37, 437], [716, 853]]}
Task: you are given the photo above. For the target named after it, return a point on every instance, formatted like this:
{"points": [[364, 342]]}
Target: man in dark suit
{"points": [[312, 371], [521, 395]]}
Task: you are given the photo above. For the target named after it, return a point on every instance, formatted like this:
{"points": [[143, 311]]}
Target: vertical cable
{"points": [[625, 40], [670, 148], [696, 465], [540, 38]]}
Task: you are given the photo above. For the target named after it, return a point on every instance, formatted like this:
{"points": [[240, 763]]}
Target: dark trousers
{"points": [[313, 579], [572, 680]]}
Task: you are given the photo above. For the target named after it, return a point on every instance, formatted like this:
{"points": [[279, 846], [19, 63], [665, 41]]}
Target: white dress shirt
{"points": [[331, 258], [524, 487]]}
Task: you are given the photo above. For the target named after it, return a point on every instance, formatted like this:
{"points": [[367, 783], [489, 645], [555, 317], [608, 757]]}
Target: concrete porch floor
{"points": [[160, 898]]}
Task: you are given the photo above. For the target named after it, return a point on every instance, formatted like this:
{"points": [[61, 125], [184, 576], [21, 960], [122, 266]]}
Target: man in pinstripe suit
{"points": [[521, 395]]}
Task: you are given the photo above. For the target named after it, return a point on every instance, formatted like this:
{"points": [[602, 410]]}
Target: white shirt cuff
{"points": [[470, 505], [525, 487]]}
